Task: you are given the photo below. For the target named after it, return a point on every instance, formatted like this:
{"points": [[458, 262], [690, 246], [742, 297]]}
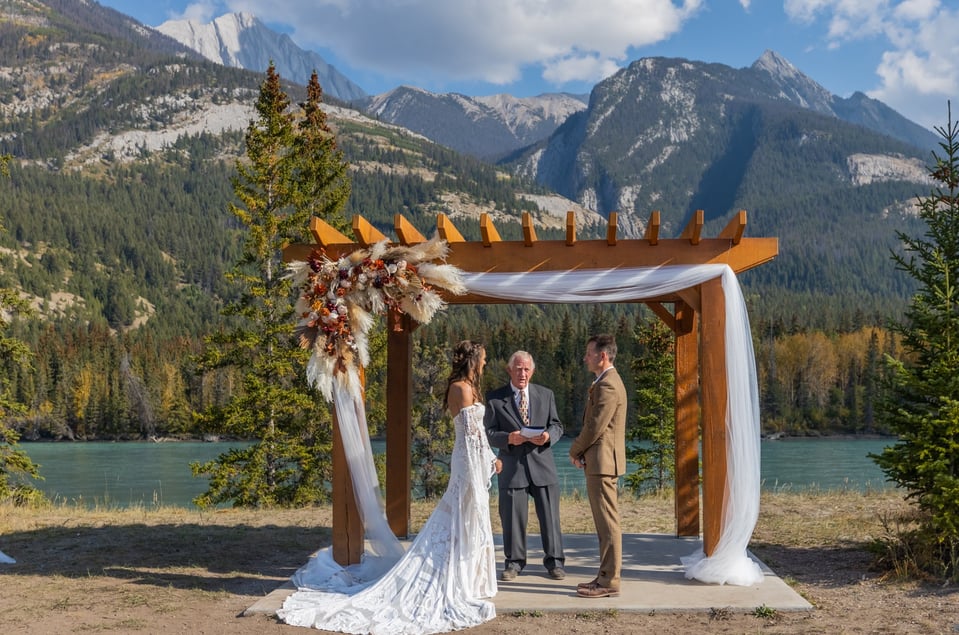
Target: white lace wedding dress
{"points": [[442, 582]]}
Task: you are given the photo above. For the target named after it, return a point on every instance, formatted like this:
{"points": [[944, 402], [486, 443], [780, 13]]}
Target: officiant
{"points": [[522, 423]]}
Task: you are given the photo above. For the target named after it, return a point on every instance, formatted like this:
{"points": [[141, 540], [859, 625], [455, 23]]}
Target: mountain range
{"points": [[492, 126], [97, 99]]}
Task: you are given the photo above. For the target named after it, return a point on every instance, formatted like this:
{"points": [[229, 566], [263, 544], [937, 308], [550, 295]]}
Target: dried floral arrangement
{"points": [[338, 300]]}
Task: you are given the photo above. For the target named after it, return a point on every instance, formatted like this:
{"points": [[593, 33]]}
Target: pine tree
{"points": [[15, 465], [322, 184], [292, 171], [922, 402], [655, 407]]}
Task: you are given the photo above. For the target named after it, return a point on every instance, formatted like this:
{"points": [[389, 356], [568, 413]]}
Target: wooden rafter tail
{"points": [[529, 232], [447, 230], [490, 235], [405, 231], [652, 228], [694, 228], [324, 234], [365, 233], [611, 228], [735, 228], [570, 228]]}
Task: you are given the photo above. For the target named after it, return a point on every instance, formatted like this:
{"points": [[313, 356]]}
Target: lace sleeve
{"points": [[477, 443]]}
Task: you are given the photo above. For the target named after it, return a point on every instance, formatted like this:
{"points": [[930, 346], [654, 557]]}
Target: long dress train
{"points": [[441, 583]]}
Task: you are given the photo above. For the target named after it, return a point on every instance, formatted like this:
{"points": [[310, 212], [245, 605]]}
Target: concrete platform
{"points": [[653, 581]]}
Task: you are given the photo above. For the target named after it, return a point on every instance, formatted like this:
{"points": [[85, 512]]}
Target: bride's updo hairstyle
{"points": [[465, 366]]}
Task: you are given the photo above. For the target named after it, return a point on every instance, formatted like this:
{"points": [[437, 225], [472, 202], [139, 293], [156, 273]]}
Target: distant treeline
{"points": [[90, 382]]}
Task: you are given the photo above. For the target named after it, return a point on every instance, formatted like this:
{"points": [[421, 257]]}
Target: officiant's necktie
{"points": [[523, 407]]}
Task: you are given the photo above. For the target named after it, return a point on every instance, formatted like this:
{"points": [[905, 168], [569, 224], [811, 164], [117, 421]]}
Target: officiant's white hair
{"points": [[523, 355]]}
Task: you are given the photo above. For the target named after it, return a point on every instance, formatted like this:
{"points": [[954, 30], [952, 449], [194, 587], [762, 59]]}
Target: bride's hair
{"points": [[465, 366]]}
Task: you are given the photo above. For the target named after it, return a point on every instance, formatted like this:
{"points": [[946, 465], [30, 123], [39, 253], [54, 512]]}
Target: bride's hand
{"points": [[498, 465]]}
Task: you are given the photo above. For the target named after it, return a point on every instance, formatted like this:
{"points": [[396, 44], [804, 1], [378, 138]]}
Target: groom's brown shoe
{"points": [[586, 585], [597, 591]]}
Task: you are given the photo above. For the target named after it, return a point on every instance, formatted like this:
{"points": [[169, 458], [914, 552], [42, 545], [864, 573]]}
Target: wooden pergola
{"points": [[697, 318]]}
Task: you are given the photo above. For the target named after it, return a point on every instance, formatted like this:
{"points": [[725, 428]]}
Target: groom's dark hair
{"points": [[604, 343]]}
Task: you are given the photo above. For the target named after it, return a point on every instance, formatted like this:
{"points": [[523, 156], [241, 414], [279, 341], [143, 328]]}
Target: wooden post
{"points": [[399, 436], [687, 415], [347, 525], [715, 401]]}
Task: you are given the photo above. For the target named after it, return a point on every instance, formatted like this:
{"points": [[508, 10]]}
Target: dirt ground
{"points": [[181, 571]]}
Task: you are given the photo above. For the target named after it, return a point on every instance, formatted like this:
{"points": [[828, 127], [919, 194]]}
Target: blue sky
{"points": [[902, 52]]}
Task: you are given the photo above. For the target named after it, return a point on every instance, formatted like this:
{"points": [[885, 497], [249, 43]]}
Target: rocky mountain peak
{"points": [[793, 84], [240, 40]]}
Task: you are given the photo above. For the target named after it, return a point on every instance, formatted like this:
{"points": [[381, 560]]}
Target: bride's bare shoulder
{"points": [[460, 396]]}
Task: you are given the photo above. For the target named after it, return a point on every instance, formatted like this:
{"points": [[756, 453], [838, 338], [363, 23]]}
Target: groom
{"points": [[522, 423]]}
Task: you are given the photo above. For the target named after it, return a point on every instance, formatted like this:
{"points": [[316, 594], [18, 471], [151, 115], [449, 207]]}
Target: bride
{"points": [[445, 579]]}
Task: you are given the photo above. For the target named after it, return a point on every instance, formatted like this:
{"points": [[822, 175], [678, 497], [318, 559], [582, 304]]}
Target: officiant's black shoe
{"points": [[509, 573], [557, 573]]}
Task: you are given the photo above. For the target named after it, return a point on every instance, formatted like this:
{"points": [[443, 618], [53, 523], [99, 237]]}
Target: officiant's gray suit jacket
{"points": [[526, 464]]}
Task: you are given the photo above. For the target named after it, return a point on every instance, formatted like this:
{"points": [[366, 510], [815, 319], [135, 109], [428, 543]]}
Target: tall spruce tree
{"points": [[922, 401], [15, 465], [652, 435], [292, 170]]}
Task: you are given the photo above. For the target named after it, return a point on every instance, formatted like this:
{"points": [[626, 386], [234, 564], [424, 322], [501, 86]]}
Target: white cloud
{"points": [[919, 69], [922, 73], [198, 11], [478, 40], [578, 68]]}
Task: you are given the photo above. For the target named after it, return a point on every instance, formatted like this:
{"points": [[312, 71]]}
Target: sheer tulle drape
{"points": [[729, 563], [382, 549]]}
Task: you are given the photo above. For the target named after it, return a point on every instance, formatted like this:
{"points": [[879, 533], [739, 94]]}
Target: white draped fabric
{"points": [[729, 563]]}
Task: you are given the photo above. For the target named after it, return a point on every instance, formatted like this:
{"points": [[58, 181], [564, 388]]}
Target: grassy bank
{"points": [[161, 570]]}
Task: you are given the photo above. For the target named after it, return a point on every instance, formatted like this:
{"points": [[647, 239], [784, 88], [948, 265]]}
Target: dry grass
{"points": [[162, 570]]}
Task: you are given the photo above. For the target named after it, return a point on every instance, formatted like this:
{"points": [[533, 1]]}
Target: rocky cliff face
{"points": [[240, 40]]}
